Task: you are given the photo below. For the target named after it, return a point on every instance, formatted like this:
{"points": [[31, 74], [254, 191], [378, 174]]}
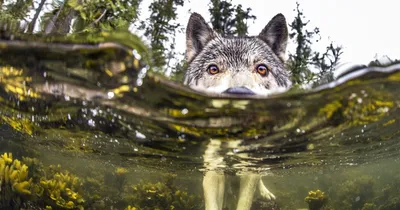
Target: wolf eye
{"points": [[263, 69], [212, 69]]}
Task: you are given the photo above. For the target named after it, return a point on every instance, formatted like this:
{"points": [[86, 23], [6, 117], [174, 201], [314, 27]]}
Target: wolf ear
{"points": [[275, 34], [198, 33]]}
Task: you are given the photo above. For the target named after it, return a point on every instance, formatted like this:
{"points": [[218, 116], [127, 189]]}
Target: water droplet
{"points": [[140, 135], [94, 112], [91, 123], [110, 95], [136, 54], [185, 111], [357, 199]]}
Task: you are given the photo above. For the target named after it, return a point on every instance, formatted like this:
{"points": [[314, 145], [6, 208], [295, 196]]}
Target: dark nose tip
{"points": [[239, 91]]}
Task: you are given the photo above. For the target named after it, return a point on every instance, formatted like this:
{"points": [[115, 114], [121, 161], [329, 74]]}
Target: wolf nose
{"points": [[239, 91]]}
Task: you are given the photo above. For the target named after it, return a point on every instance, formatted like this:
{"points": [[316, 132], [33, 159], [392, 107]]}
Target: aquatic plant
{"points": [[355, 193], [120, 176], [130, 208], [316, 199], [22, 125], [14, 82], [388, 195], [161, 195], [57, 189], [29, 184], [359, 108], [14, 181], [265, 204], [62, 188], [368, 206], [391, 204]]}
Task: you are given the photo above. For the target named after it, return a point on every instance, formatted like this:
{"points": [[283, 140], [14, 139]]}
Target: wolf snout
{"points": [[239, 91]]}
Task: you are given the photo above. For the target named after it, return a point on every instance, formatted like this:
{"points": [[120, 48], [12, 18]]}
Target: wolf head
{"points": [[236, 65]]}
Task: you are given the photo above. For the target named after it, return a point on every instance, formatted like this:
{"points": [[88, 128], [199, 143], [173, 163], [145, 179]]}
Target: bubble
{"points": [[184, 111]]}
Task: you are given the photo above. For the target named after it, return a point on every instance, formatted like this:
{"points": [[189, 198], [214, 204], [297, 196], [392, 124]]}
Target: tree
{"points": [[32, 24], [15, 13], [226, 19], [90, 16], [241, 18], [299, 63], [59, 19], [229, 19], [161, 29], [384, 60]]}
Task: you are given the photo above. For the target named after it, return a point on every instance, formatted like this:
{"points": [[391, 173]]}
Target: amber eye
{"points": [[262, 69], [213, 69]]}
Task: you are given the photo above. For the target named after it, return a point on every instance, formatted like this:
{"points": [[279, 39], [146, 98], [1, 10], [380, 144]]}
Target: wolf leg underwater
{"points": [[241, 66]]}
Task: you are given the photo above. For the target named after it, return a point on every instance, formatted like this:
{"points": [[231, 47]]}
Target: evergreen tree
{"points": [[241, 18], [226, 19], [229, 19], [383, 61], [161, 28], [304, 58]]}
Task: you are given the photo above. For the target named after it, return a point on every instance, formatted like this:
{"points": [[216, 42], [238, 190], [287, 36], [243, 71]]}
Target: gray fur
{"points": [[236, 57]]}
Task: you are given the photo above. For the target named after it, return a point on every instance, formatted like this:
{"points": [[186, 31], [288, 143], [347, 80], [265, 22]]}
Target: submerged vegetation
{"points": [[316, 200], [29, 184], [26, 183]]}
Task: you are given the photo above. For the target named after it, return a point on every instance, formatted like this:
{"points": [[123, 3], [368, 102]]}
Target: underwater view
{"points": [[87, 125]]}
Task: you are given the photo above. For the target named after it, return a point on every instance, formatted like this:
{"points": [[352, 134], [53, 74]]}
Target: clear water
{"points": [[97, 112]]}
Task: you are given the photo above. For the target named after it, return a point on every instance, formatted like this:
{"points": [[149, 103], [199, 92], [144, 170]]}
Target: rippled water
{"points": [[97, 108]]}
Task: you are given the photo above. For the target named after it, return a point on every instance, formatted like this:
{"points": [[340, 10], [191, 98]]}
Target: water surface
{"points": [[133, 137]]}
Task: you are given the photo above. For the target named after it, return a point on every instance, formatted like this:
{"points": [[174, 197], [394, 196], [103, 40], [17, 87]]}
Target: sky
{"points": [[364, 28]]}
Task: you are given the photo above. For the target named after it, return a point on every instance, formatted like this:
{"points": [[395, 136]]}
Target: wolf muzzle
{"points": [[239, 91]]}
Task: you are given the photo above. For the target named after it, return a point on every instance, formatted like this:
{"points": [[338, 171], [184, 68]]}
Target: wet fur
{"points": [[236, 58]]}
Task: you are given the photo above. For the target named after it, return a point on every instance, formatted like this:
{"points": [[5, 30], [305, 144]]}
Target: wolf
{"points": [[251, 65], [236, 65]]}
